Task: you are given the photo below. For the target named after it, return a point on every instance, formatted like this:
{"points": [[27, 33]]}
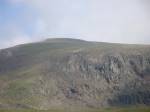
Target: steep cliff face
{"points": [[62, 72]]}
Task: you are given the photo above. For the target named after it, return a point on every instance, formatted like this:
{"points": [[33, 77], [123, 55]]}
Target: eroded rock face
{"points": [[107, 80]]}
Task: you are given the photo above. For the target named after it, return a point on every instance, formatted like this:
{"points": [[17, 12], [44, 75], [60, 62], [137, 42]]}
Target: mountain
{"points": [[64, 72]]}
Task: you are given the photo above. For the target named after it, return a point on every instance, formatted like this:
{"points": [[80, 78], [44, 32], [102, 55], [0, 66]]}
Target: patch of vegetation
{"points": [[125, 109]]}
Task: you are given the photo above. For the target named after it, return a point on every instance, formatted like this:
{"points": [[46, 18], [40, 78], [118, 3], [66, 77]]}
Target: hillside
{"points": [[58, 73]]}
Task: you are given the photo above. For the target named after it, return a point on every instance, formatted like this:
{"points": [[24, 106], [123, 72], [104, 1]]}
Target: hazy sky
{"points": [[124, 21]]}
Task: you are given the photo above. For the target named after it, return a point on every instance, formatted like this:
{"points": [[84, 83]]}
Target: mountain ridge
{"points": [[74, 73], [74, 40]]}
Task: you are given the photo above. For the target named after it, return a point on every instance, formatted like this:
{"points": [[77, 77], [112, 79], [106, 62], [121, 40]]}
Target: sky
{"points": [[117, 21]]}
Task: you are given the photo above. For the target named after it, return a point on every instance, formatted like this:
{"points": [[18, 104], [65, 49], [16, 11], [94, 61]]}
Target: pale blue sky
{"points": [[123, 21]]}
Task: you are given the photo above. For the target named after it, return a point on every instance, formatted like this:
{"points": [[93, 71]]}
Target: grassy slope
{"points": [[19, 82]]}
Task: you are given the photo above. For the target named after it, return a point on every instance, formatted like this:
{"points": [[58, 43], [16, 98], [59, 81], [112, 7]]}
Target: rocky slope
{"points": [[71, 73]]}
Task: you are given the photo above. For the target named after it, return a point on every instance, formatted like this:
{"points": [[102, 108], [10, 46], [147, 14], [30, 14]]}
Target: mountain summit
{"points": [[74, 73]]}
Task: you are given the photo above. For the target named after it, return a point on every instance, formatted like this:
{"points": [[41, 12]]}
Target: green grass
{"points": [[124, 109]]}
